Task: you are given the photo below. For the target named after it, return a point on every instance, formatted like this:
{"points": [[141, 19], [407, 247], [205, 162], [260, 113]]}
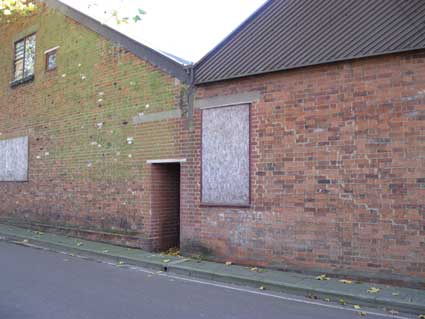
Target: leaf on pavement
{"points": [[79, 244], [342, 302], [373, 290], [345, 281], [322, 277], [228, 263], [166, 261], [362, 313], [356, 307], [262, 288]]}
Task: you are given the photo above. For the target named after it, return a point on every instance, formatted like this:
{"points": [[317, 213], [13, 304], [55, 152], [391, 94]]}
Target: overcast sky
{"points": [[185, 28]]}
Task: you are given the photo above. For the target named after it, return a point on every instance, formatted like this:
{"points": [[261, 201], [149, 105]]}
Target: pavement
{"points": [[30, 274]]}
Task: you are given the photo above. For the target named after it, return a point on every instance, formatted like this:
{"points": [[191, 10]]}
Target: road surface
{"points": [[40, 284]]}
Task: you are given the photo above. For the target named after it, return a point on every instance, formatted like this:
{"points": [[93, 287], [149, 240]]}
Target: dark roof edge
{"points": [[307, 65], [144, 52], [234, 32]]}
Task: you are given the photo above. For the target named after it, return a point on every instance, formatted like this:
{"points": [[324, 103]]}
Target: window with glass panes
{"points": [[24, 58]]}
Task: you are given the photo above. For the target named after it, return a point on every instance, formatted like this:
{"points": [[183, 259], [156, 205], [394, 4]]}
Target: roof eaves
{"points": [[245, 75], [163, 62]]}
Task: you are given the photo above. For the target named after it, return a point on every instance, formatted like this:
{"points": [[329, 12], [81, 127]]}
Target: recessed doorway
{"points": [[165, 206]]}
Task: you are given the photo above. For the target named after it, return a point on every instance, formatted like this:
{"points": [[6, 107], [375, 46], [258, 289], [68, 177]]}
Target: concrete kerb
{"points": [[298, 284]]}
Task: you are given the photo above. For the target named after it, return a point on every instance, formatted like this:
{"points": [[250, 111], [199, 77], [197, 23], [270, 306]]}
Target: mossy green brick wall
{"points": [[79, 117]]}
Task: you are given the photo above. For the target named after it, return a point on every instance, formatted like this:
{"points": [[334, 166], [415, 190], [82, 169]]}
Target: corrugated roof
{"points": [[287, 34]]}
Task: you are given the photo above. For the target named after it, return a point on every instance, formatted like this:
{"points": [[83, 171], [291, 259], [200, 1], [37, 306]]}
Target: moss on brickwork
{"points": [[81, 114]]}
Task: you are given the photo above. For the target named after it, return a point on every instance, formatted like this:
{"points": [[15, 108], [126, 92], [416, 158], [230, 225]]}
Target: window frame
{"points": [[221, 204], [24, 78], [47, 54]]}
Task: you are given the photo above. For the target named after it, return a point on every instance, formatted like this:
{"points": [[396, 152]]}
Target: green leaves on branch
{"points": [[12, 8], [126, 20]]}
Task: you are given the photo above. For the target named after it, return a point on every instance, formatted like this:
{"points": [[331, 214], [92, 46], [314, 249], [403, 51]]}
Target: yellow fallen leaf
{"points": [[254, 269], [166, 261], [322, 277], [262, 288], [228, 263], [373, 290], [327, 300], [342, 301], [345, 281], [356, 307]]}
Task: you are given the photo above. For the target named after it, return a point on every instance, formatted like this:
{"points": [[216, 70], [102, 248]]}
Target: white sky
{"points": [[185, 28]]}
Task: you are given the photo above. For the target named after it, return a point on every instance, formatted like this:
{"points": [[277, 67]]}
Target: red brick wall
{"points": [[83, 174], [338, 174], [338, 171]]}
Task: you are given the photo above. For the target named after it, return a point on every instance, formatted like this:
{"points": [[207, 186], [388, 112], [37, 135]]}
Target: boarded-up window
{"points": [[225, 156], [14, 160]]}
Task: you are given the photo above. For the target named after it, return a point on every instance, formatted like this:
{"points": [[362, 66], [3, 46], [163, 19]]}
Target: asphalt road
{"points": [[38, 284]]}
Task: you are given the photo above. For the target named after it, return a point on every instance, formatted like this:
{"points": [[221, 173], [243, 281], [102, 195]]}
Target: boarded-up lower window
{"points": [[14, 160], [225, 155]]}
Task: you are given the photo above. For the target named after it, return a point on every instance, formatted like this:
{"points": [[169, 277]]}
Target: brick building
{"points": [[297, 143], [92, 107]]}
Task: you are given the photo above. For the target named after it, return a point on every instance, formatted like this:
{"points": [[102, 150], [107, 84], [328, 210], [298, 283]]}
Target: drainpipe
{"points": [[190, 95]]}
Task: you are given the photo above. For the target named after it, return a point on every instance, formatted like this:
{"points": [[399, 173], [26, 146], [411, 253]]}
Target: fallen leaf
{"points": [[173, 252], [345, 281], [327, 300], [166, 261], [254, 269], [322, 277], [362, 313], [356, 307], [342, 302], [373, 290], [262, 288], [79, 244], [228, 263]]}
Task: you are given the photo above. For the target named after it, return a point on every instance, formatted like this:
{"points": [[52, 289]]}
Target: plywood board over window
{"points": [[226, 156], [14, 160]]}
